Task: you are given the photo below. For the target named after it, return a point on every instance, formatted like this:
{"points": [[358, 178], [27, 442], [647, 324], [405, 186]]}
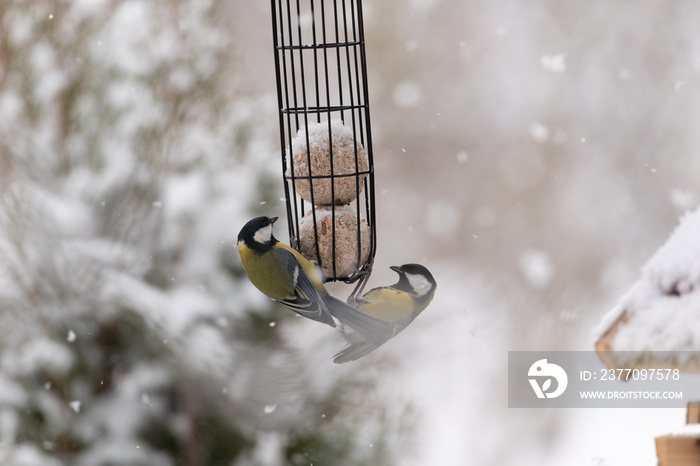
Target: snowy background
{"points": [[533, 155]]}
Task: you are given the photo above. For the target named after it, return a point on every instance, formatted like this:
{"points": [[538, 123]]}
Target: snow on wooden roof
{"points": [[661, 312]]}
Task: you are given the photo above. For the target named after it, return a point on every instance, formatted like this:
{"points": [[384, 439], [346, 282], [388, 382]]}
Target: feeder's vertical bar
{"points": [[347, 59], [293, 229], [291, 59], [308, 141], [278, 50], [325, 61], [332, 179], [357, 71], [330, 131], [370, 156], [292, 223], [306, 130], [354, 132], [337, 53], [370, 258], [315, 48]]}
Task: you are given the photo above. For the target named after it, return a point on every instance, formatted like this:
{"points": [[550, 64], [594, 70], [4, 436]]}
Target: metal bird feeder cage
{"points": [[325, 135]]}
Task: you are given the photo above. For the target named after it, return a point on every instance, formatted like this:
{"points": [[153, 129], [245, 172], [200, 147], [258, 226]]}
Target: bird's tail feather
{"points": [[375, 330], [353, 351]]}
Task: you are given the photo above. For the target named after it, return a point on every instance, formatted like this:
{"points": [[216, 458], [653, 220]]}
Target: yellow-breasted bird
{"points": [[397, 304], [285, 276]]}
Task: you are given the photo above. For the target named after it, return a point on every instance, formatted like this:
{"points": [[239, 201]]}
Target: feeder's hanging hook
{"points": [[325, 134], [359, 288]]}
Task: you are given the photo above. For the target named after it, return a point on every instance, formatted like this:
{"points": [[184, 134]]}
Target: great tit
{"points": [[397, 304], [285, 276]]}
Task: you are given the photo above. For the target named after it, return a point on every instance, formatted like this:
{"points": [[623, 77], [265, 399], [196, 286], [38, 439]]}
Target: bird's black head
{"points": [[415, 279], [257, 234]]}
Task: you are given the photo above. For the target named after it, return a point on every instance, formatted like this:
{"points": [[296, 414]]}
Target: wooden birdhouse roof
{"points": [[661, 311]]}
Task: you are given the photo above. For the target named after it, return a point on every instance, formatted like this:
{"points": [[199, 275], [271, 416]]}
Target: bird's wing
{"points": [[375, 330], [305, 299], [354, 351]]}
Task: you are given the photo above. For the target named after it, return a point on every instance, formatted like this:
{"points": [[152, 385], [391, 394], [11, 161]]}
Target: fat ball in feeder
{"points": [[334, 166], [341, 251]]}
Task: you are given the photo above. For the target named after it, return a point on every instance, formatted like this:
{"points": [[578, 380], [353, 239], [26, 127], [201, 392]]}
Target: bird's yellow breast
{"points": [[267, 272], [388, 304]]}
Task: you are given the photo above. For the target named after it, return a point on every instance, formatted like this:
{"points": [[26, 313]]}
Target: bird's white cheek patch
{"points": [[263, 235], [419, 283]]}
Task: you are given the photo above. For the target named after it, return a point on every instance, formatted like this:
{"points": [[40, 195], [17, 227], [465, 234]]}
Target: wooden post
{"points": [[693, 414], [681, 450]]}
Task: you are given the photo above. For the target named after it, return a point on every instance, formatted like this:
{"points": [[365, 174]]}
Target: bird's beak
{"points": [[273, 219], [395, 268]]}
